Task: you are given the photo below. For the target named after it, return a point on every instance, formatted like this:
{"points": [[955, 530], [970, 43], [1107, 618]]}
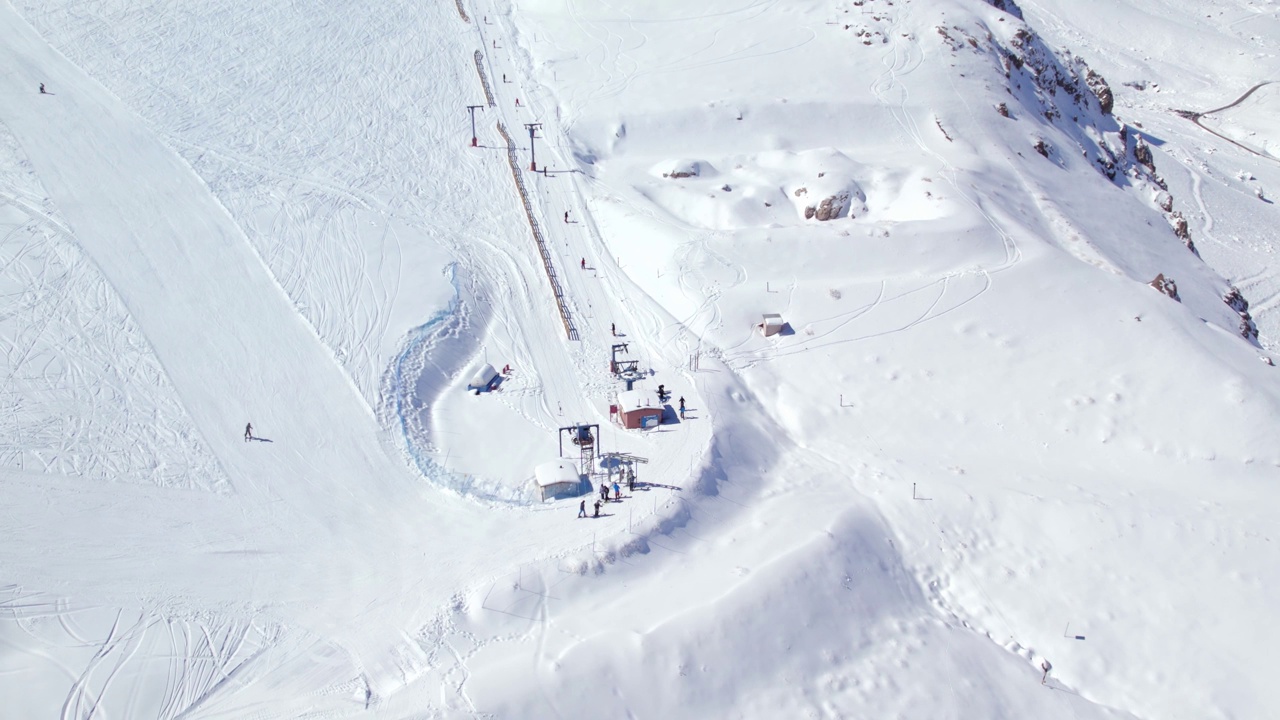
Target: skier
{"points": [[662, 393], [613, 330], [1046, 667], [42, 90], [248, 432], [582, 509], [604, 492], [566, 216], [517, 102], [504, 77], [583, 263], [631, 483], [597, 509], [617, 492]]}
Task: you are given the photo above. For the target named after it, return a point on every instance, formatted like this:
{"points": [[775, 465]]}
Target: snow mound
{"points": [[769, 189]]}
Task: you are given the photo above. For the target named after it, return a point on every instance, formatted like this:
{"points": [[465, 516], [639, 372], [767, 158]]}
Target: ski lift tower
{"points": [[624, 464], [584, 436], [627, 371]]}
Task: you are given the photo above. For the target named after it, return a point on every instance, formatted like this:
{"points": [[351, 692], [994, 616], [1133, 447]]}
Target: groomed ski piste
{"points": [[987, 469]]}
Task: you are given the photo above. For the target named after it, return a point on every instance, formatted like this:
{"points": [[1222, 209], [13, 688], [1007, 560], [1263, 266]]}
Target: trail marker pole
{"points": [[533, 129], [472, 109]]}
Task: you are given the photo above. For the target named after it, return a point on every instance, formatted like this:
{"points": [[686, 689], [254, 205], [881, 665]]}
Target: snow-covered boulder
{"points": [[679, 169]]}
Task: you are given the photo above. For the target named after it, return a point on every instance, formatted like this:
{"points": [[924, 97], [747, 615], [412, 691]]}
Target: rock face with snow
{"points": [[1236, 301], [680, 169], [756, 190], [829, 209], [1166, 286]]}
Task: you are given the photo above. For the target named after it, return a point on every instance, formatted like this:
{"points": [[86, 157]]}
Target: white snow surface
{"points": [[984, 446]]}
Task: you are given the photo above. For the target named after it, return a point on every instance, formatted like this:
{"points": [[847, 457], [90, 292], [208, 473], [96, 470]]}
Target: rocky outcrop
{"points": [[829, 209], [1008, 6], [1166, 286], [1101, 90], [1179, 225], [1142, 153], [1236, 301]]}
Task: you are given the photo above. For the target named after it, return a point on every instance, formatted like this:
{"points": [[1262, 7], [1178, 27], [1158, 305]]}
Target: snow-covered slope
{"points": [[983, 446]]}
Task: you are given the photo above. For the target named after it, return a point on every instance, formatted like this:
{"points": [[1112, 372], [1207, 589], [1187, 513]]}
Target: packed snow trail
{"points": [[337, 519]]}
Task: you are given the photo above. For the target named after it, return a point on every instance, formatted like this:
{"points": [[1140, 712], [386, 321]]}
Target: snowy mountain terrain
{"points": [[1011, 454]]}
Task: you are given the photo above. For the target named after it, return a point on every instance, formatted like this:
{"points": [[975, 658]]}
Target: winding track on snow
{"points": [[1196, 116]]}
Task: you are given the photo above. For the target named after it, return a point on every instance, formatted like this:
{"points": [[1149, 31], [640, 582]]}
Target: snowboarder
{"points": [[613, 330], [583, 263], [42, 90], [597, 509], [617, 492], [582, 509], [662, 393], [566, 216], [248, 432]]}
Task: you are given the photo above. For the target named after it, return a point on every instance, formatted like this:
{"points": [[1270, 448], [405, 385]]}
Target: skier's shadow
{"points": [[258, 439]]}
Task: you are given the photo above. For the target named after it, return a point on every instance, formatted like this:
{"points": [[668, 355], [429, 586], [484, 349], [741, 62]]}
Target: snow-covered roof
{"points": [[556, 472], [483, 376], [772, 319], [629, 400]]}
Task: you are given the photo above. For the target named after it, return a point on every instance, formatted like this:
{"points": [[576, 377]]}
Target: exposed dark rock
{"points": [[1101, 90], [1008, 6], [1236, 300], [829, 209], [1142, 153], [1179, 225], [1166, 286]]}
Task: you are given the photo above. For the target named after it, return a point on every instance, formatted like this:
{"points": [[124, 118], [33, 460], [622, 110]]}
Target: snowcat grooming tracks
{"points": [[570, 331]]}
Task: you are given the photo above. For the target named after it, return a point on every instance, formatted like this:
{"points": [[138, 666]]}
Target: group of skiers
{"points": [[604, 496], [663, 396]]}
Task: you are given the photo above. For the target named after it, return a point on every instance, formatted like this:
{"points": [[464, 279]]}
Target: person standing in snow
{"points": [[582, 509], [617, 492], [42, 90], [604, 492], [583, 263], [248, 432], [1046, 667], [566, 216], [597, 509], [681, 407], [613, 329]]}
